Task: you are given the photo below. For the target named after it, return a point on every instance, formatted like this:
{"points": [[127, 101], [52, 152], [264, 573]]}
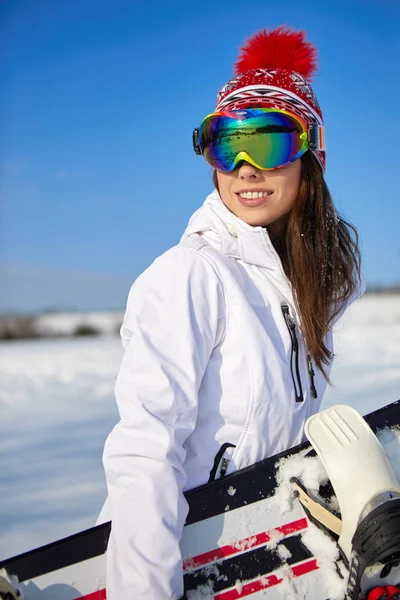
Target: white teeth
{"points": [[253, 195]]}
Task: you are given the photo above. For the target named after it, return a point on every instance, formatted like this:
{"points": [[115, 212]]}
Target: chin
{"points": [[255, 220]]}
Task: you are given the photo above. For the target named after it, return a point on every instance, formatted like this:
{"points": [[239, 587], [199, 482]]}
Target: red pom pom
{"points": [[281, 48]]}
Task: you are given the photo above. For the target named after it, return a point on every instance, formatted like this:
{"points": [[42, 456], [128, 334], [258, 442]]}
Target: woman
{"points": [[228, 335]]}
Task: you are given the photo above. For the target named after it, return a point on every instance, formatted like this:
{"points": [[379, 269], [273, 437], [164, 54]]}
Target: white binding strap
{"points": [[355, 462]]}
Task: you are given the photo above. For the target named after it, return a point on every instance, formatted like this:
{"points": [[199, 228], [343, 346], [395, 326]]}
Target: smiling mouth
{"points": [[254, 195]]}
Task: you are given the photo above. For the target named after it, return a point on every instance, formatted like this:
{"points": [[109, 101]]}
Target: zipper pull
{"points": [[311, 373], [285, 310], [224, 467], [290, 321], [291, 325], [221, 462]]}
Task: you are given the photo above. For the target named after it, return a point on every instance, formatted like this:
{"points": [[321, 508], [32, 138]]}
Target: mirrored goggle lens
{"points": [[271, 139]]}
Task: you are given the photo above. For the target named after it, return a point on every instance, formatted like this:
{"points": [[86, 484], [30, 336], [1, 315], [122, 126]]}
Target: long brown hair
{"points": [[321, 258]]}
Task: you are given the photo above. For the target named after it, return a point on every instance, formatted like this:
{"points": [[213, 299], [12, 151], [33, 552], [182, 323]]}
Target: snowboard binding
{"points": [[368, 531], [376, 539], [7, 591]]}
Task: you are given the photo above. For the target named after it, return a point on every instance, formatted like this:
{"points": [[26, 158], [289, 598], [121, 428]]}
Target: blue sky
{"points": [[98, 100]]}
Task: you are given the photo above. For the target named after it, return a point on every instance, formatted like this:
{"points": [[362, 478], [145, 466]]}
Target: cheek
{"points": [[224, 182], [291, 182], [220, 177]]}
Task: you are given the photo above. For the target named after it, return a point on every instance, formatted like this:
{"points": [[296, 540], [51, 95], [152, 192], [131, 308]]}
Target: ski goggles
{"points": [[264, 137]]}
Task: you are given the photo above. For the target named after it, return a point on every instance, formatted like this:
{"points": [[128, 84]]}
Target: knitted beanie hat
{"points": [[273, 70]]}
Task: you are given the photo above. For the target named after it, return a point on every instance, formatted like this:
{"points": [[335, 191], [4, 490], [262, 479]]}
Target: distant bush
{"points": [[383, 290], [18, 328], [85, 329]]}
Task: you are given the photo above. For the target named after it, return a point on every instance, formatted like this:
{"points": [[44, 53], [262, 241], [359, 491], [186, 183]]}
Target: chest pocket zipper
{"points": [[294, 356], [221, 462]]}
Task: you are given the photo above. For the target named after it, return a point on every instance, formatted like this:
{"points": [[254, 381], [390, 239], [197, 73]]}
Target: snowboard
{"points": [[238, 541]]}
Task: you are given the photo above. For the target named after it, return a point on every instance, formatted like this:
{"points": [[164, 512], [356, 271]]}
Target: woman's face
{"points": [[276, 191]]}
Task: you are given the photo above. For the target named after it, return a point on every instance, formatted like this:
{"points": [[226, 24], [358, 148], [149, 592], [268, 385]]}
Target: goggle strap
{"points": [[322, 141], [196, 142], [316, 137]]}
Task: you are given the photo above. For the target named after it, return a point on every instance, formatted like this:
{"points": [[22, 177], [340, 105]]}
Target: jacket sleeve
{"points": [[173, 321]]}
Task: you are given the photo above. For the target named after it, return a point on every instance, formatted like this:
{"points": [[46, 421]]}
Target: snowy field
{"points": [[57, 407]]}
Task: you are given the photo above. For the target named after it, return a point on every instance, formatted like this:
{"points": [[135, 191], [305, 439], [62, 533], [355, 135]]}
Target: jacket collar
{"points": [[235, 238]]}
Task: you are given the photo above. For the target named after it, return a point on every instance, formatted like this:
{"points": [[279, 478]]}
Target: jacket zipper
{"points": [[221, 462], [294, 356], [311, 373]]}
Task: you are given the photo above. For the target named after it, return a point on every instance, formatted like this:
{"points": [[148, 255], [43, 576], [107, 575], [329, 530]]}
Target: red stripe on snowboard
{"points": [[239, 547], [99, 595], [247, 589], [242, 545], [266, 581]]}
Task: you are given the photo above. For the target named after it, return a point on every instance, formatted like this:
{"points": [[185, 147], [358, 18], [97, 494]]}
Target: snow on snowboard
{"points": [[272, 530]]}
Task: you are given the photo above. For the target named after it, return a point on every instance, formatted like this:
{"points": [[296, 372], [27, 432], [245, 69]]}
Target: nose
{"points": [[248, 172]]}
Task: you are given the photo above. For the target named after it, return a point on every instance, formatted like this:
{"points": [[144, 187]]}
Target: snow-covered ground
{"points": [[366, 372], [57, 407]]}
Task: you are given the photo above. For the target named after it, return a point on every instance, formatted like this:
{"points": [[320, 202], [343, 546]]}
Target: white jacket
{"points": [[210, 364]]}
